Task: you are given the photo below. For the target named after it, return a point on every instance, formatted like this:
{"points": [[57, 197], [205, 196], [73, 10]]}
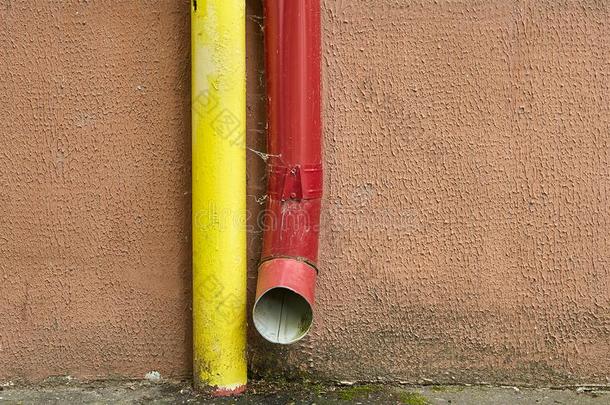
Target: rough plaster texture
{"points": [[466, 228], [465, 231], [95, 182]]}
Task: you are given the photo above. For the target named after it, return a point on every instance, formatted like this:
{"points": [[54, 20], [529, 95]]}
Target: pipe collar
{"points": [[283, 310]]}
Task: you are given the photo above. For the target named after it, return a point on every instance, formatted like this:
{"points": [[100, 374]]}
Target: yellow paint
{"points": [[219, 192]]}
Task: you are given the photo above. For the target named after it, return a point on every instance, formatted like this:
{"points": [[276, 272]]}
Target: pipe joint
{"points": [[283, 311], [299, 182]]}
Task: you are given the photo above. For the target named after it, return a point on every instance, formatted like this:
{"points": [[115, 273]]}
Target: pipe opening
{"points": [[282, 316]]}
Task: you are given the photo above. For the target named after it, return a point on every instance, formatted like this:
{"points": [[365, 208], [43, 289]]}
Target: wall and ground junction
{"points": [[465, 233]]}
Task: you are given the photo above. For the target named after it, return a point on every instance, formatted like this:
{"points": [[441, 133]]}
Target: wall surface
{"points": [[467, 216], [95, 183]]}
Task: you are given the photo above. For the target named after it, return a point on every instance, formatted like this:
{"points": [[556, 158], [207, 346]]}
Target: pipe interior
{"points": [[282, 316]]}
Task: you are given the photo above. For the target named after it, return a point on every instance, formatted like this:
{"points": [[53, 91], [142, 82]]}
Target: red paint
{"points": [[288, 273], [292, 223], [225, 392]]}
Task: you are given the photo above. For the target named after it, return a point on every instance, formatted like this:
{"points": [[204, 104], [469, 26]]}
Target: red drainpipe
{"points": [[283, 311]]}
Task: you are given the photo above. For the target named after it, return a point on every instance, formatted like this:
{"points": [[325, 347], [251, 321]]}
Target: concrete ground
{"points": [[70, 392]]}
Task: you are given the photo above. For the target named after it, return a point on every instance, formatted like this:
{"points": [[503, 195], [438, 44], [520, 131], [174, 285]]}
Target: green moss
{"points": [[317, 388], [413, 398], [357, 391]]}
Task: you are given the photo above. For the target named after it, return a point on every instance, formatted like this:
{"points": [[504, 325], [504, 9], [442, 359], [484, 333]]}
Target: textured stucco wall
{"points": [[466, 230], [466, 227], [94, 188]]}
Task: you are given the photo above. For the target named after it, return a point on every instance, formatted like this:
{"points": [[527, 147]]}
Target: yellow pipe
{"points": [[219, 194]]}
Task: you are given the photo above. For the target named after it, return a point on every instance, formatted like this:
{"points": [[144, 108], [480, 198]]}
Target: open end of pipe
{"points": [[282, 316]]}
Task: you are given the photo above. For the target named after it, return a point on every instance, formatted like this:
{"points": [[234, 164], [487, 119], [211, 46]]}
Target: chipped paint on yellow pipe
{"points": [[219, 194]]}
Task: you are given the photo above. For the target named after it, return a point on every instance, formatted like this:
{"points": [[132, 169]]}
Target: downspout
{"points": [[219, 195], [283, 310]]}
